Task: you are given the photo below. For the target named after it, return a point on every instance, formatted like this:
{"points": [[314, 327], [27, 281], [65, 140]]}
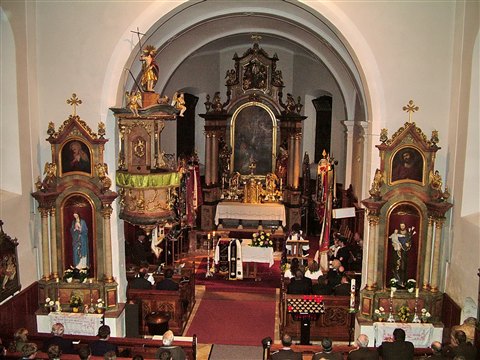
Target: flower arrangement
{"points": [[380, 313], [262, 239], [411, 285], [393, 283], [100, 305], [75, 301], [425, 315], [404, 313], [49, 304]]}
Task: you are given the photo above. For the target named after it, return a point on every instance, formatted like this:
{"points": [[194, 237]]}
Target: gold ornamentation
{"points": [[134, 101], [74, 101], [410, 108], [102, 171], [383, 135], [376, 185], [139, 148]]}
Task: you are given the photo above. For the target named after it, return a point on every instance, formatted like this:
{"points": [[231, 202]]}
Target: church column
{"points": [[45, 248], [291, 160], [53, 243], [365, 175], [349, 124], [436, 255], [372, 253], [208, 155], [428, 255], [107, 237]]}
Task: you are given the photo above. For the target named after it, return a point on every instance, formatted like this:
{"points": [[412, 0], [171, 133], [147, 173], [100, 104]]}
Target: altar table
{"points": [[256, 212], [77, 323], [251, 254], [421, 335]]}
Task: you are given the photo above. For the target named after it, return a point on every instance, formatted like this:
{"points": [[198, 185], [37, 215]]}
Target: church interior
{"points": [[186, 165]]}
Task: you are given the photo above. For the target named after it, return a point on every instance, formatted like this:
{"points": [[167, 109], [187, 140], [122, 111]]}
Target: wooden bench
{"points": [[309, 350], [127, 347]]}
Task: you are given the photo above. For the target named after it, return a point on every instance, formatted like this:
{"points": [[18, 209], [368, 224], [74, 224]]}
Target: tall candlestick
{"points": [[416, 292]]}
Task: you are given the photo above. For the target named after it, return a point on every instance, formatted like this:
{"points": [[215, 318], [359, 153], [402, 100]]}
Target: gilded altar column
{"points": [[214, 159], [428, 255], [436, 255], [349, 124], [53, 243], [372, 253], [106, 212], [291, 160], [297, 160], [208, 155], [45, 248]]}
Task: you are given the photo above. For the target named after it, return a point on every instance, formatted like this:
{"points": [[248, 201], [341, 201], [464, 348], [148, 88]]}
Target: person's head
{"points": [[141, 238], [110, 355], [76, 216], [322, 280], [407, 156], [168, 273], [84, 352], [296, 228], [54, 351], [362, 340], [336, 264], [137, 357], [168, 338], [295, 263], [403, 226], [58, 329], [104, 332], [299, 274], [3, 351], [142, 272], [345, 279], [21, 334], [313, 267], [470, 321], [165, 355], [29, 350], [460, 337], [327, 344], [76, 147], [399, 334], [286, 340], [436, 347]]}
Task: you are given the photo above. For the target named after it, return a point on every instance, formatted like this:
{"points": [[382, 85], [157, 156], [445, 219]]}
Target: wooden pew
{"points": [[146, 347]]}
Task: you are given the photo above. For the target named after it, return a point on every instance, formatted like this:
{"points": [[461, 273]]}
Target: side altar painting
{"points": [[74, 201], [406, 214], [9, 278]]}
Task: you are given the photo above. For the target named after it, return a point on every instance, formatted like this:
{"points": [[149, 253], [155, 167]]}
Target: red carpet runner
{"points": [[238, 321]]}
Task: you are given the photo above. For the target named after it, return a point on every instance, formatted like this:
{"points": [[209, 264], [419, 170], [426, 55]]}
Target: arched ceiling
{"points": [[198, 27]]}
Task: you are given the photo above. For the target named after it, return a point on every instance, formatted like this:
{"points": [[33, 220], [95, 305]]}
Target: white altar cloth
{"points": [[77, 323], [242, 211], [421, 335]]}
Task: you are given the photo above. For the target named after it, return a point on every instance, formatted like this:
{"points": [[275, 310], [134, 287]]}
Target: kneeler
{"points": [[235, 260]]}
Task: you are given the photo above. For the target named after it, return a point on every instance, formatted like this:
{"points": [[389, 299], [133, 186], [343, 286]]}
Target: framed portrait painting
{"points": [[253, 136], [75, 157], [407, 164]]}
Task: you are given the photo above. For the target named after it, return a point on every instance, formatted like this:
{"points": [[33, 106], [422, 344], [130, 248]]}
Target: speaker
{"points": [[131, 320]]}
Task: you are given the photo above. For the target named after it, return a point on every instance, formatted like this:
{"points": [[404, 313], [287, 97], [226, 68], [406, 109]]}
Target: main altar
{"points": [[252, 145]]}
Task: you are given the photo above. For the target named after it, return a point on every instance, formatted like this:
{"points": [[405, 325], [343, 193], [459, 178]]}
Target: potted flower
{"points": [[404, 313], [68, 274], [100, 306], [75, 302], [411, 285], [380, 314], [49, 304], [393, 284], [425, 315]]}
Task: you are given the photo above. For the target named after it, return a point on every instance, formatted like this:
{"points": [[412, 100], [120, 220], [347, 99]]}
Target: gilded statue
{"points": [[150, 68], [178, 101], [134, 101], [376, 185], [102, 171]]}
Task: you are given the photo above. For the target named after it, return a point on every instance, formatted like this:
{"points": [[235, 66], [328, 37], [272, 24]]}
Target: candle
{"points": [[214, 234], [391, 293], [416, 292], [90, 280], [208, 236], [352, 300], [57, 280]]}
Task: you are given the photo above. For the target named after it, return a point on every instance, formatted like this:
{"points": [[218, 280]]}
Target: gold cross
{"points": [[74, 101], [410, 108]]}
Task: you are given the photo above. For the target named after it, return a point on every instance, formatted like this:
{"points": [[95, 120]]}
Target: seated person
{"points": [[313, 270], [327, 352], [460, 347], [29, 351], [177, 352], [140, 281], [321, 287], [290, 272], [468, 327], [54, 352], [335, 273], [343, 289], [167, 283], [300, 285], [101, 346], [286, 352], [65, 345]]}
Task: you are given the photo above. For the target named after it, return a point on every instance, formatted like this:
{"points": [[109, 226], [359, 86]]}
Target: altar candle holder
{"points": [[416, 319], [208, 274], [391, 319]]}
